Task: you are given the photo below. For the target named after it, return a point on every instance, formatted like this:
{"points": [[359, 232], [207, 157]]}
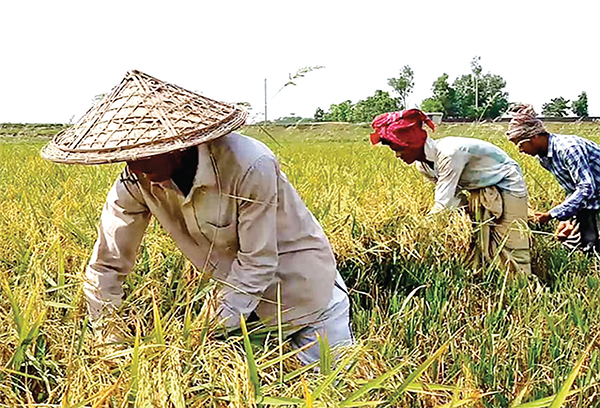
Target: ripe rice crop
{"points": [[431, 330]]}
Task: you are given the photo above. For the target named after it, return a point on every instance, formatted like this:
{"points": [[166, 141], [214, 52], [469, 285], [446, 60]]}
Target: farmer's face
{"points": [[409, 154], [534, 146], [527, 147], [156, 168]]}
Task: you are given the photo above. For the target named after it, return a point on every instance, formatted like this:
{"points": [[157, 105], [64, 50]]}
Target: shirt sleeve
{"points": [[254, 268], [450, 168], [122, 224], [581, 173]]}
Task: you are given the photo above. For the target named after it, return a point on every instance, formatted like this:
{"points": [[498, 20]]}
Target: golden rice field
{"points": [[432, 331]]}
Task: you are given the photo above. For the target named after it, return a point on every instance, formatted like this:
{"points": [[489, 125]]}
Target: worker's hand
{"points": [[564, 230], [542, 217]]}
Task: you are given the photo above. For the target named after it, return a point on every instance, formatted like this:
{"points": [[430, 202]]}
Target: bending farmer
{"points": [[575, 162], [223, 199], [495, 184]]}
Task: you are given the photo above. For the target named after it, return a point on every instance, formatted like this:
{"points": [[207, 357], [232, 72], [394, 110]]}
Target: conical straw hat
{"points": [[143, 117]]}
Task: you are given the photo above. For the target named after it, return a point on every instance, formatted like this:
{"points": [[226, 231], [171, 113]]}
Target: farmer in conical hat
{"points": [[575, 162], [223, 199], [494, 181]]}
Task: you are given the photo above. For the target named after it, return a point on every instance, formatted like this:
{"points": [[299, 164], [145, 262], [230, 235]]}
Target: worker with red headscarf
{"points": [[494, 182]]}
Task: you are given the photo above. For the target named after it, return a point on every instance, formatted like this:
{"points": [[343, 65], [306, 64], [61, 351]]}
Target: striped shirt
{"points": [[575, 162]]}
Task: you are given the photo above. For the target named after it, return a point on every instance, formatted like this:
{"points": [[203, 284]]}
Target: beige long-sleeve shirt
{"points": [[242, 221], [461, 163]]}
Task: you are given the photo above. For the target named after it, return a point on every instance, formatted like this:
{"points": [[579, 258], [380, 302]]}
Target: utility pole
{"points": [[265, 101], [476, 94], [476, 69]]}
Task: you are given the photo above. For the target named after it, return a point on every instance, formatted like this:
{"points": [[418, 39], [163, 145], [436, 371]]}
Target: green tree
{"points": [[403, 85], [446, 95], [464, 97], [580, 106], [320, 115], [342, 112], [432, 105], [492, 97], [557, 107], [492, 100], [366, 110]]}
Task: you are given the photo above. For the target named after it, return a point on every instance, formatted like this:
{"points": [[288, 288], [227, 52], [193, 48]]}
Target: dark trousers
{"points": [[588, 230]]}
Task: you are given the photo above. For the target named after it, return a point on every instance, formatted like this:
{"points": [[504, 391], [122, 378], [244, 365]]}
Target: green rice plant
{"points": [[324, 354], [134, 369], [563, 393], [330, 376], [252, 370], [158, 330], [27, 327]]}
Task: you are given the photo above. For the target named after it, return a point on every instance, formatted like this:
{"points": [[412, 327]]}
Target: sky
{"points": [[55, 56]]}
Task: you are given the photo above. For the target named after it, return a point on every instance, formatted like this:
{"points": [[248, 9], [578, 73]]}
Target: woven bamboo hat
{"points": [[143, 117]]}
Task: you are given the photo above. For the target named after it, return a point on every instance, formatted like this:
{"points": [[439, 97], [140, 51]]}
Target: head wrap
{"points": [[403, 128], [524, 123]]}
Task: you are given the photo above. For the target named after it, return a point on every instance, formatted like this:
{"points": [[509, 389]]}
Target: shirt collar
{"points": [[551, 141], [431, 151], [545, 160], [205, 173]]}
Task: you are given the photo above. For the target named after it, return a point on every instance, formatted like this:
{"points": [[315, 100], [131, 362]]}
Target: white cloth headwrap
{"points": [[524, 123]]}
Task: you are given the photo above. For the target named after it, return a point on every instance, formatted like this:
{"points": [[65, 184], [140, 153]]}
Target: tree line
{"points": [[472, 96]]}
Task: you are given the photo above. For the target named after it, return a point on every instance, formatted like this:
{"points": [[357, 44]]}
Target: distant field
{"points": [[511, 340]]}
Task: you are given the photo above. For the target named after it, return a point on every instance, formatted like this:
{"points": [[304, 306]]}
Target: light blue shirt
{"points": [[461, 163]]}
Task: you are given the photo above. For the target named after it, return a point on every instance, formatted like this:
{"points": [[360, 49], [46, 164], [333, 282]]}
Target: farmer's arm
{"points": [[122, 224], [450, 167], [254, 268], [581, 173]]}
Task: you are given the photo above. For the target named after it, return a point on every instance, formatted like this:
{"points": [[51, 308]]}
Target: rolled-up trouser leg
{"points": [[103, 292], [512, 230], [334, 324]]}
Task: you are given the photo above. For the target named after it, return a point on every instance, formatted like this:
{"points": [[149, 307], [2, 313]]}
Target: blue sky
{"points": [[56, 56]]}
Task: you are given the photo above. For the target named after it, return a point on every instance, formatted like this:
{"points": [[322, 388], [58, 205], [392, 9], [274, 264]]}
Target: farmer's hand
{"points": [[564, 230], [542, 217]]}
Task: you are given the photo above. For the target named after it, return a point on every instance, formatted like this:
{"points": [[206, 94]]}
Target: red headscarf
{"points": [[403, 128]]}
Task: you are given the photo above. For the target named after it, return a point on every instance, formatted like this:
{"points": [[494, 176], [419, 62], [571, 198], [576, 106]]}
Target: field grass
{"points": [[431, 330]]}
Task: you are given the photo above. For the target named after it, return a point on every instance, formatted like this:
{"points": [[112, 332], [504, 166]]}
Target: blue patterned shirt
{"points": [[575, 162]]}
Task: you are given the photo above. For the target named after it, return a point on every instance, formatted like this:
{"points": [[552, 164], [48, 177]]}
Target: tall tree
{"points": [[557, 107], [342, 112], [472, 95], [465, 97], [445, 94], [403, 85], [366, 110], [319, 115], [492, 99], [431, 105], [580, 106]]}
